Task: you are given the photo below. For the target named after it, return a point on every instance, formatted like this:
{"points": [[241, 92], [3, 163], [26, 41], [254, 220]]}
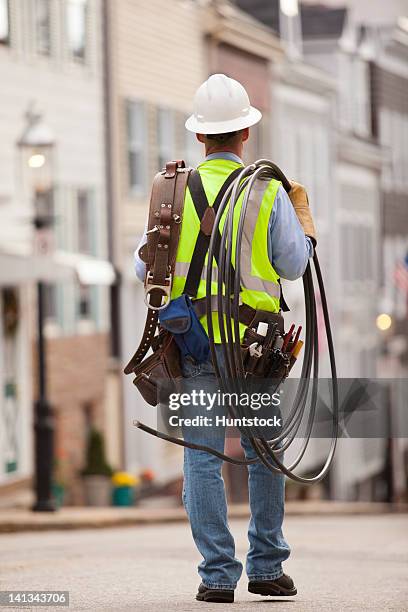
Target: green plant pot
{"points": [[123, 496]]}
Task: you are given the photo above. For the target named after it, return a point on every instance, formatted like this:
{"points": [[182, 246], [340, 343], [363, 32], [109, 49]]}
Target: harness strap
{"points": [[165, 215], [206, 214]]}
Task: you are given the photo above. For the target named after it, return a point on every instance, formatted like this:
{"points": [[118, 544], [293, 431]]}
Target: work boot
{"points": [[214, 595], [283, 586]]}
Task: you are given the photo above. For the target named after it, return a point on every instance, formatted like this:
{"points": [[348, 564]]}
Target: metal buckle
{"points": [[165, 289]]}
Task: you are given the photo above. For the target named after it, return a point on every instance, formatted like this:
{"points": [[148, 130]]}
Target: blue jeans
{"points": [[206, 506]]}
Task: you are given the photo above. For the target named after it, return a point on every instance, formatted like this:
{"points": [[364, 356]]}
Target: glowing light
{"points": [[384, 322], [290, 8], [37, 160]]}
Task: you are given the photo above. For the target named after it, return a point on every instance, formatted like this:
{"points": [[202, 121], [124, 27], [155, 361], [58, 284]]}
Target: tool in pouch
{"points": [[270, 353], [159, 255]]}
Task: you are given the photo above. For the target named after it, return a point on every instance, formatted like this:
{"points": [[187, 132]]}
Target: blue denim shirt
{"points": [[288, 247]]}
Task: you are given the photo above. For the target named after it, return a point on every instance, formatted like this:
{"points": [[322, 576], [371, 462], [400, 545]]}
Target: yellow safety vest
{"points": [[259, 281]]}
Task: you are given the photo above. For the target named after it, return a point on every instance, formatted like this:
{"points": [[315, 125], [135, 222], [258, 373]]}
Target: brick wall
{"points": [[76, 386]]}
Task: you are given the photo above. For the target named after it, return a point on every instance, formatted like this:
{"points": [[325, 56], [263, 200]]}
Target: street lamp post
{"points": [[44, 421], [37, 144]]}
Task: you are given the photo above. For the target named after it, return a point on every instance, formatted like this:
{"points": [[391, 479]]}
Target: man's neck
{"points": [[224, 155], [234, 150]]}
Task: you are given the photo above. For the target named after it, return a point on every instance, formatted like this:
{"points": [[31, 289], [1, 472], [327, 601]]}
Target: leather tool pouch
{"points": [[160, 369]]}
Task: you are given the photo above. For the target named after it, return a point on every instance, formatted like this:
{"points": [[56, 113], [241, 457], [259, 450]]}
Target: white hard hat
{"points": [[221, 105]]}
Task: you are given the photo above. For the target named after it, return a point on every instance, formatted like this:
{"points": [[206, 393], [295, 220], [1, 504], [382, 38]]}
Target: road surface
{"points": [[348, 563]]}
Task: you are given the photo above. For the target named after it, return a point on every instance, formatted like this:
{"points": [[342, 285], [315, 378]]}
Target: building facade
{"points": [[149, 93], [337, 44], [390, 121], [51, 59]]}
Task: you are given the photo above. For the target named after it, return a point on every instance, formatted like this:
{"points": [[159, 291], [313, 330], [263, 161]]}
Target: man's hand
{"points": [[299, 199]]}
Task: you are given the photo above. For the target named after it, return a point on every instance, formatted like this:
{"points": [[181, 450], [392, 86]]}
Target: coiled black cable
{"points": [[267, 451]]}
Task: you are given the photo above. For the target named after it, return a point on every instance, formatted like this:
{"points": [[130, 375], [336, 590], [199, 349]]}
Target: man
{"points": [[221, 120]]}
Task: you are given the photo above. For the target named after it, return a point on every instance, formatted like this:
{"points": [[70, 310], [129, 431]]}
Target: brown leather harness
{"points": [[159, 254]]}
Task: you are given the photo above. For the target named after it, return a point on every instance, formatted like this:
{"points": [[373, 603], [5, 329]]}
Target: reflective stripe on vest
{"points": [[259, 280], [249, 280]]}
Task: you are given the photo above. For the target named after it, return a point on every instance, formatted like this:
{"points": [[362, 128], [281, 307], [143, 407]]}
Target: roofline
{"points": [[225, 23]]}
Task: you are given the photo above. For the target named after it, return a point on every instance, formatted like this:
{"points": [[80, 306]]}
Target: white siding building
{"points": [[51, 64], [340, 48]]}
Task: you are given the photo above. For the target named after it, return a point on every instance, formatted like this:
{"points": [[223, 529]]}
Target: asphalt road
{"points": [[349, 563]]}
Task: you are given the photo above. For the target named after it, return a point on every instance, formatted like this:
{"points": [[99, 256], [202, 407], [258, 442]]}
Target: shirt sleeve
{"points": [[140, 266], [288, 247]]}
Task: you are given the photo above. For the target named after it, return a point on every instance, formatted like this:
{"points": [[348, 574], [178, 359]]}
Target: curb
{"points": [[16, 520]]}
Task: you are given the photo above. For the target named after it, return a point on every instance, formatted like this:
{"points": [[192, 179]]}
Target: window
{"points": [[346, 97], [4, 22], [84, 305], [136, 145], [357, 246], [50, 302], [76, 28], [42, 19], [165, 136], [362, 102], [398, 149], [84, 222], [355, 95]]}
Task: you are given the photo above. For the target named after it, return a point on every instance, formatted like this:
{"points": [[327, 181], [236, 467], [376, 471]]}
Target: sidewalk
{"points": [[19, 520]]}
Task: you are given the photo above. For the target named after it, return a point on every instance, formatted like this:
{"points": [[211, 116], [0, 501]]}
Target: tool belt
{"points": [[271, 356]]}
